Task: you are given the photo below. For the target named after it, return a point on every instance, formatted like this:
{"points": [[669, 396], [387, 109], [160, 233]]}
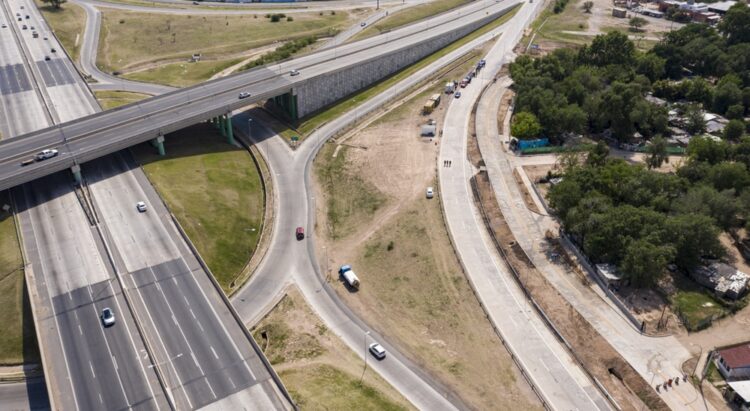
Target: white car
{"points": [[294, 72], [377, 350], [430, 192], [108, 317], [244, 94], [45, 154], [141, 206]]}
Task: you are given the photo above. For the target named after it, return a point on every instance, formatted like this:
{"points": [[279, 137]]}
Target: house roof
{"points": [[742, 388], [738, 356]]}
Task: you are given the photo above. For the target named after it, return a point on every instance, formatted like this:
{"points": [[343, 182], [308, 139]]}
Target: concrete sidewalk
{"points": [[656, 359]]}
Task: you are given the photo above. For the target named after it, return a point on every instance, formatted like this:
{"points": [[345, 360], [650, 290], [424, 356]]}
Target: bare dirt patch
{"points": [[315, 365], [597, 356], [413, 288]]}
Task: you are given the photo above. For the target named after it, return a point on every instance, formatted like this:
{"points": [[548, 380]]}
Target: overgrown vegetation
{"points": [[284, 52], [643, 220], [602, 86]]}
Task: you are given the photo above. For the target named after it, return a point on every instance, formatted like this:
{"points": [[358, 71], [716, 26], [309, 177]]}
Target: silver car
{"points": [[108, 317], [377, 350]]}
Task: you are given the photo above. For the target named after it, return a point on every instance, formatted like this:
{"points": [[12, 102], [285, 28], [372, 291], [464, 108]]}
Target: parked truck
{"points": [[430, 105], [450, 87], [349, 276]]}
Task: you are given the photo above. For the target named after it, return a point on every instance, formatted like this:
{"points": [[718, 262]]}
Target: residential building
{"points": [[734, 362]]}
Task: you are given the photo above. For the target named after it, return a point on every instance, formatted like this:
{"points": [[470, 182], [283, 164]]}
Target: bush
{"points": [[289, 18], [559, 6], [275, 18]]}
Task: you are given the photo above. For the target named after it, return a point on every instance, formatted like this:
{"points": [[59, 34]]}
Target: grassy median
{"points": [[408, 16], [320, 372], [131, 40], [182, 74], [112, 99], [17, 339], [214, 189], [68, 23]]}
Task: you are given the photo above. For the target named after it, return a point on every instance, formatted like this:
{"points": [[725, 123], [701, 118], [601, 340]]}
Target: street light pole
{"points": [[364, 369]]}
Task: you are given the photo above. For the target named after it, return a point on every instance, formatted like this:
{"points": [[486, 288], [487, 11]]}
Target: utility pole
{"points": [[364, 369]]}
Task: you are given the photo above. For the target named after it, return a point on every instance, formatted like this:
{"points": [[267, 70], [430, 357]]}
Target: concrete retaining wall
{"points": [[324, 90]]}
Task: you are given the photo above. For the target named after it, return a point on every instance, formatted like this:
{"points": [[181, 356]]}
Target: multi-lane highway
{"points": [[96, 135], [175, 344]]}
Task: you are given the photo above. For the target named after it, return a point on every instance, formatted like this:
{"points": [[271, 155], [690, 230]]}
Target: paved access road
{"points": [[100, 134], [560, 381], [29, 395], [290, 261]]}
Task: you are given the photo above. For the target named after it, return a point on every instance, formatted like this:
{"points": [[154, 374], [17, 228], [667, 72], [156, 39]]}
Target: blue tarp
{"points": [[540, 142]]}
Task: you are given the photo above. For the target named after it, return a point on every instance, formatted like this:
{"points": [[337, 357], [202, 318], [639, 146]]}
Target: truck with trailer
{"points": [[349, 276]]}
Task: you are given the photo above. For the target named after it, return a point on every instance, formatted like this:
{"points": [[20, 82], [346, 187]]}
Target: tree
{"points": [[597, 155], [734, 130], [636, 23], [525, 126], [55, 3], [693, 236], [651, 66], [644, 262], [722, 206], [587, 6], [611, 48], [726, 95], [729, 175], [735, 25], [657, 152], [704, 149], [696, 123]]}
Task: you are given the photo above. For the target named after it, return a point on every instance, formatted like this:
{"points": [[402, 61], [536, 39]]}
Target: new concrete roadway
{"points": [[562, 384], [656, 359], [100, 134]]}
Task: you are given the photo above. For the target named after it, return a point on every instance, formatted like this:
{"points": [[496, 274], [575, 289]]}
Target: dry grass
{"points": [[68, 23], [408, 16], [129, 40], [413, 288], [317, 368]]}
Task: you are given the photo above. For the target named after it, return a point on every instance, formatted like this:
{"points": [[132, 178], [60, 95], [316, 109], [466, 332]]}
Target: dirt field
{"points": [[414, 290], [599, 358], [320, 372]]}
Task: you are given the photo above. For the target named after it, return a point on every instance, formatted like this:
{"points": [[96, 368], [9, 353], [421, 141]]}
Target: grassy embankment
{"points": [[68, 23], [306, 125], [159, 46], [319, 371], [214, 189], [18, 339], [408, 16], [112, 99]]}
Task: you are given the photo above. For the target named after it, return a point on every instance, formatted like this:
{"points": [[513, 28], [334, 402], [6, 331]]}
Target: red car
{"points": [[300, 233]]}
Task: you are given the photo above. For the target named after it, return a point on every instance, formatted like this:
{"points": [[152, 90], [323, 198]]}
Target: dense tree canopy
{"points": [[642, 220]]}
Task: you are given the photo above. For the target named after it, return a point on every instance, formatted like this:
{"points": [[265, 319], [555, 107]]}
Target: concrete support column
{"points": [[76, 170], [222, 126], [229, 131], [158, 142]]}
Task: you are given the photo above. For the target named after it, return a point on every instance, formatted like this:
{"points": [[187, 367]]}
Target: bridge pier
{"points": [[229, 132], [76, 170], [158, 142]]}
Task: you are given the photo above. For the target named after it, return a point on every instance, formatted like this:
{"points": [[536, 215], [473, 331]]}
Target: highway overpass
{"points": [[324, 77]]}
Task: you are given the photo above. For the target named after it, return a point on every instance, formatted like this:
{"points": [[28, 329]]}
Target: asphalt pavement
{"points": [[100, 134], [290, 261]]}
